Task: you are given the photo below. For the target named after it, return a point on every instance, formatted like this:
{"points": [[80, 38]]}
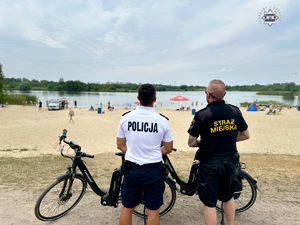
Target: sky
{"points": [[177, 42]]}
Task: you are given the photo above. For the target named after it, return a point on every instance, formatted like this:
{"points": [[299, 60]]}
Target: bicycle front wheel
{"points": [[246, 198], [169, 201], [56, 201]]}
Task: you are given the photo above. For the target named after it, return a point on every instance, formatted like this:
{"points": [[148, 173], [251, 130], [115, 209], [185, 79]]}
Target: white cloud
{"points": [[121, 43], [224, 70], [146, 38], [153, 70]]}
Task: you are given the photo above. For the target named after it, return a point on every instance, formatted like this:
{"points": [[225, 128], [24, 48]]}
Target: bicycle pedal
{"points": [[105, 199]]}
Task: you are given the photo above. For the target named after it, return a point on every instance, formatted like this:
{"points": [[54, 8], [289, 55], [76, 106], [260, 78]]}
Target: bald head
{"points": [[216, 89]]}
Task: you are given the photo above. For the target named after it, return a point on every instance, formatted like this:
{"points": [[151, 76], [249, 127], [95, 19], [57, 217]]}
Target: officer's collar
{"points": [[144, 108], [219, 102]]}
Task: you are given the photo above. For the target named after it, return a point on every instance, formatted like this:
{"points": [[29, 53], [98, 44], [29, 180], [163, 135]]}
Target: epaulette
{"points": [[201, 110], [126, 113], [234, 106], [164, 116]]}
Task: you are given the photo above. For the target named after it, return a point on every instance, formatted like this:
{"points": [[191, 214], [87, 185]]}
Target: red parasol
{"points": [[179, 98], [137, 103]]}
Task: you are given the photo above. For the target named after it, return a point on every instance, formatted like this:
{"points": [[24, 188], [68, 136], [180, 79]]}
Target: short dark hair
{"points": [[147, 94]]}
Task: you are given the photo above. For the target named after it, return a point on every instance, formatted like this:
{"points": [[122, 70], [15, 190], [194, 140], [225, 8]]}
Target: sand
{"points": [[37, 131]]}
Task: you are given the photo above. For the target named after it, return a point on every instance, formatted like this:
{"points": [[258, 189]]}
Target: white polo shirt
{"points": [[144, 130]]}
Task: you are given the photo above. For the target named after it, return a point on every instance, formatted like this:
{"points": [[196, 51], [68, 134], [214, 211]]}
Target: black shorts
{"points": [[216, 182], [148, 182]]}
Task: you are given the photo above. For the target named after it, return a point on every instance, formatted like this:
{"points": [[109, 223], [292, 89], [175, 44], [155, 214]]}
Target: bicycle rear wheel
{"points": [[246, 198], [54, 202], [169, 201]]}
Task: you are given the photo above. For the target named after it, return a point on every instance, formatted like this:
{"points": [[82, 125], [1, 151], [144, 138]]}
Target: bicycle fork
{"points": [[66, 196]]}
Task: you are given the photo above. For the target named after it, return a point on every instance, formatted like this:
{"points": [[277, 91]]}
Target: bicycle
{"points": [[245, 191], [66, 192]]}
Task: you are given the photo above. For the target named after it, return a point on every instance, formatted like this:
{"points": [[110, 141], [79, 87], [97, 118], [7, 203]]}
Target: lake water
{"points": [[121, 99]]}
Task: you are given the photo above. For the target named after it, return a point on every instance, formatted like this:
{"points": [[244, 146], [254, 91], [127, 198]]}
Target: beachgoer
{"points": [[219, 126], [40, 105], [75, 104], [108, 105], [140, 135], [71, 114]]}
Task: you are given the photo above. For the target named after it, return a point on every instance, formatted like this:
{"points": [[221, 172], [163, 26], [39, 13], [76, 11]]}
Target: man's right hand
{"points": [[193, 141], [167, 147]]}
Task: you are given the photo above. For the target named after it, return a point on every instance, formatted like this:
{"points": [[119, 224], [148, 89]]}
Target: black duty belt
{"points": [[134, 166], [217, 160]]}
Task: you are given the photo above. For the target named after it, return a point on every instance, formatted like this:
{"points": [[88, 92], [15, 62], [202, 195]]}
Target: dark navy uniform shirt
{"points": [[217, 125]]}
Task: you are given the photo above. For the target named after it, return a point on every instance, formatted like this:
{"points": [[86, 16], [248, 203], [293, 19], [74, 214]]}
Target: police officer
{"points": [[219, 126], [140, 135]]}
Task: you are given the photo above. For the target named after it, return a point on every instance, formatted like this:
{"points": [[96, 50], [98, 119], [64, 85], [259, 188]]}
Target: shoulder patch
{"points": [[126, 113], [192, 124], [164, 116]]}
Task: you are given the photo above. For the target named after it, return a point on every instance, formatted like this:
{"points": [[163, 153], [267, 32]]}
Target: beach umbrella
{"points": [[179, 99], [128, 104], [137, 103]]}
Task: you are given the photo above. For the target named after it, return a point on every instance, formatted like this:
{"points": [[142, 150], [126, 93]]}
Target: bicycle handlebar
{"points": [[87, 155], [74, 146], [77, 151], [64, 133]]}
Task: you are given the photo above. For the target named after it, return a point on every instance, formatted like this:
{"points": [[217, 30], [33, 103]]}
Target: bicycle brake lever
{"points": [[60, 139]]}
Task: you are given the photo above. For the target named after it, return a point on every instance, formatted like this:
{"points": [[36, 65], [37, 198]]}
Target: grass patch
{"points": [[283, 171], [18, 99], [18, 150], [40, 172], [245, 104], [282, 93], [7, 150], [280, 190], [24, 150]]}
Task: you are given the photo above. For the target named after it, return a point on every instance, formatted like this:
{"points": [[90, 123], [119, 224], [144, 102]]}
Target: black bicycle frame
{"points": [[108, 198], [88, 177], [172, 171], [186, 187]]}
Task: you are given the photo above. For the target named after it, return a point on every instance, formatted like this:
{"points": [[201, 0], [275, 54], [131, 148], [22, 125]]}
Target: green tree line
{"points": [[280, 87], [78, 86]]}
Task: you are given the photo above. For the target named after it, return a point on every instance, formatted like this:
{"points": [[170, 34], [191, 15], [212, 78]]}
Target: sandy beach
{"points": [[27, 132], [37, 131]]}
